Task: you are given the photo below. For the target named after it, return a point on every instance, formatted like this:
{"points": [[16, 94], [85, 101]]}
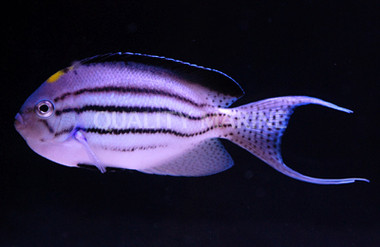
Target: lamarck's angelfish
{"points": [[155, 115]]}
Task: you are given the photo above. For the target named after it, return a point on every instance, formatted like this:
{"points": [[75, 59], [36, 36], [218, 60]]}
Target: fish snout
{"points": [[19, 122]]}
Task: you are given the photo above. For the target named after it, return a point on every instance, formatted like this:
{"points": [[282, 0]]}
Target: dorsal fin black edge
{"points": [[210, 78]]}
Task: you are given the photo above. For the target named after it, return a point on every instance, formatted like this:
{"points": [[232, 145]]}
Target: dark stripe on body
{"points": [[150, 131], [64, 131], [147, 91], [142, 131], [134, 109], [132, 149]]}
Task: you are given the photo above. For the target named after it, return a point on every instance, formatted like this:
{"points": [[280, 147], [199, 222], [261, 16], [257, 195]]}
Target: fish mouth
{"points": [[19, 122]]}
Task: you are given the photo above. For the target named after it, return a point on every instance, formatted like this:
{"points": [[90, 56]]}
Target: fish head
{"points": [[35, 119], [38, 122]]}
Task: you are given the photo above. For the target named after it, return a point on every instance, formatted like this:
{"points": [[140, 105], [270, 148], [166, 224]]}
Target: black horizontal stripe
{"points": [[150, 131], [64, 131], [141, 131], [135, 90], [134, 148], [134, 109]]}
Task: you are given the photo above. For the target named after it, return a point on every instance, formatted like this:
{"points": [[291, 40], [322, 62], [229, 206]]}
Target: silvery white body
{"points": [[134, 113]]}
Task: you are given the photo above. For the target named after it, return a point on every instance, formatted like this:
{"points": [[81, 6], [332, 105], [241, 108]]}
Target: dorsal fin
{"points": [[210, 78]]}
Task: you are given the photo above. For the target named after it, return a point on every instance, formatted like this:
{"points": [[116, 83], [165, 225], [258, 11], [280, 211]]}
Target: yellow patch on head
{"points": [[58, 75]]}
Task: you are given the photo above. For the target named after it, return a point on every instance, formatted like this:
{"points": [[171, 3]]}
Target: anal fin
{"points": [[206, 158]]}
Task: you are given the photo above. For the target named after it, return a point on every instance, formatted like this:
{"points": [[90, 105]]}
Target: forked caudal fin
{"points": [[260, 125]]}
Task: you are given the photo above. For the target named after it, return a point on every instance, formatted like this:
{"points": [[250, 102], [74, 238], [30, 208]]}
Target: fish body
{"points": [[155, 115]]}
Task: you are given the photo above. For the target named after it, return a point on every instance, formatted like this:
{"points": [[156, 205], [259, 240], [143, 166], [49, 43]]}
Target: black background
{"points": [[326, 49]]}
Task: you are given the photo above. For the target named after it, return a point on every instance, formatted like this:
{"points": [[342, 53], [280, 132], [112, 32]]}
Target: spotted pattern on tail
{"points": [[259, 127]]}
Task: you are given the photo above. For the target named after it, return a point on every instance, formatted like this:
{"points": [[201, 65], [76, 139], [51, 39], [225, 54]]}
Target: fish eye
{"points": [[44, 108]]}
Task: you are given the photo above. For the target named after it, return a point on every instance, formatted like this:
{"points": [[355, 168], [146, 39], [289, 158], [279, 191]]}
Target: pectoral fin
{"points": [[79, 136]]}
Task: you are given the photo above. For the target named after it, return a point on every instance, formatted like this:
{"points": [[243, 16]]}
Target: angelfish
{"points": [[155, 115]]}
